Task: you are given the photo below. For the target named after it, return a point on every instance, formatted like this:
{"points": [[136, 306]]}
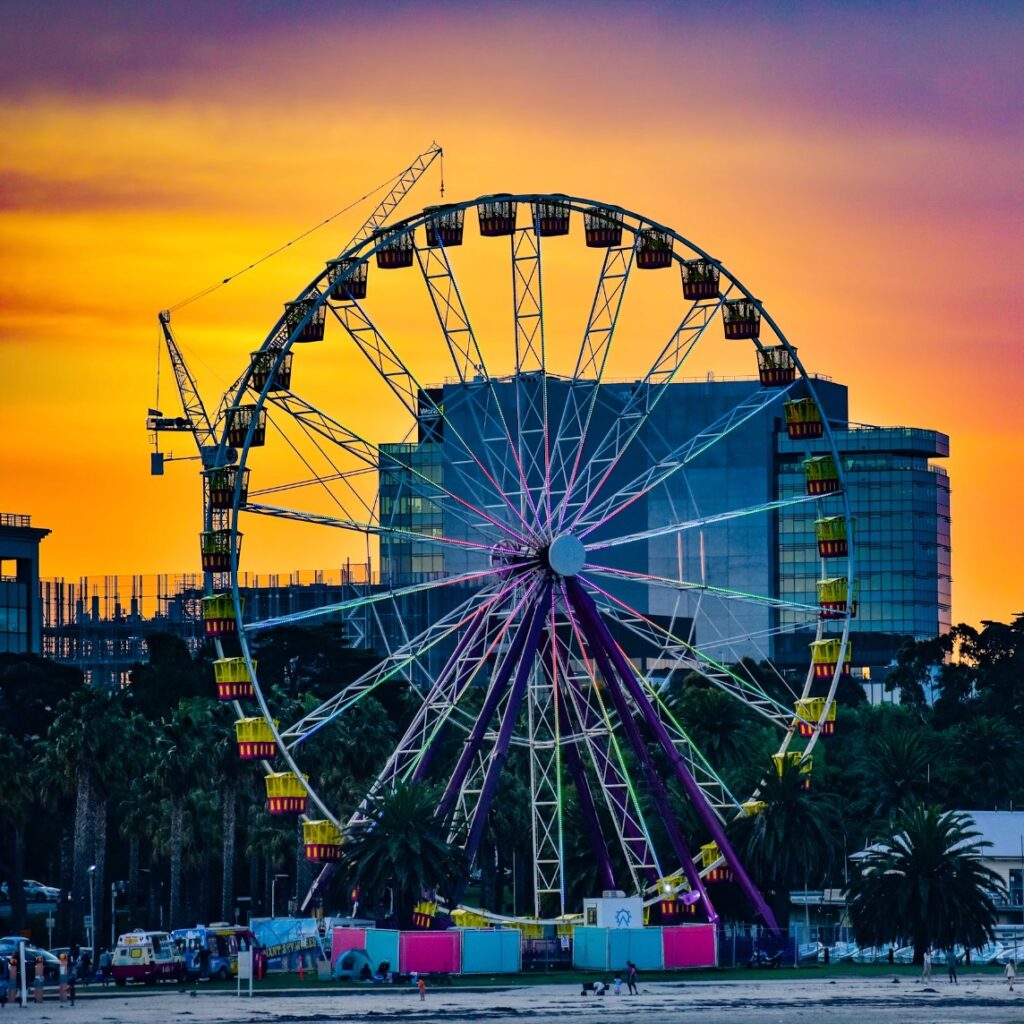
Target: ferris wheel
{"points": [[551, 537]]}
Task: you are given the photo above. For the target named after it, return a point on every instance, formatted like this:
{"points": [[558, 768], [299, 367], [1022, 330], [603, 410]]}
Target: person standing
{"points": [[422, 986], [12, 980], [74, 974], [926, 966], [631, 978], [39, 980], [62, 980], [1011, 973], [951, 965], [4, 983]]}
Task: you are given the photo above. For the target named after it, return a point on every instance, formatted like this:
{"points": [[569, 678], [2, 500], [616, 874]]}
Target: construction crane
{"points": [[196, 420]]}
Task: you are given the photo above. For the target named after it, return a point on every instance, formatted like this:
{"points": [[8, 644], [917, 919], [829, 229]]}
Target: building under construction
{"points": [[100, 624]]}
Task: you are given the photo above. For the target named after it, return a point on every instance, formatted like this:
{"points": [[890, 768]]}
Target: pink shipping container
{"points": [[344, 939], [690, 945], [430, 952]]}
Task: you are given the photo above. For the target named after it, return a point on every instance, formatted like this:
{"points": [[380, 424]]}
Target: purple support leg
{"points": [[587, 808], [614, 785], [591, 624], [586, 606], [508, 722], [482, 723], [476, 635]]}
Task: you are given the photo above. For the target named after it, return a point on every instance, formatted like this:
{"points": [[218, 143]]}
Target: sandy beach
{"points": [[977, 1000]]}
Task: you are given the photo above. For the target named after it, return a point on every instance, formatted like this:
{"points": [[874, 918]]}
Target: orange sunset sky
{"points": [[858, 165]]}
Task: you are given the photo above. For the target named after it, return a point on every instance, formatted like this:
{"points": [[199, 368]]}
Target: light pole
{"points": [[92, 911], [273, 894]]}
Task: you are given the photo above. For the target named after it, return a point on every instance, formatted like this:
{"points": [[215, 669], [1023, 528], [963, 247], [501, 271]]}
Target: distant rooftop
{"points": [[1003, 829], [14, 519]]}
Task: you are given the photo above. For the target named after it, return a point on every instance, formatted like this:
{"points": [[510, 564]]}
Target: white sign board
{"points": [[245, 971], [614, 912], [244, 964], [87, 921]]}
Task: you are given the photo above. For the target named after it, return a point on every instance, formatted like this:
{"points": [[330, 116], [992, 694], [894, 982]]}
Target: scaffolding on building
{"points": [[100, 624]]}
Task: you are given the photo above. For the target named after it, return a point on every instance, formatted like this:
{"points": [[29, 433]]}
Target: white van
{"points": [[147, 957]]}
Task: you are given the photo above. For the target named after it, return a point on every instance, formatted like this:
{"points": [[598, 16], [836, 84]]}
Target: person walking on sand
{"points": [[631, 978], [1011, 972], [951, 964], [926, 966]]}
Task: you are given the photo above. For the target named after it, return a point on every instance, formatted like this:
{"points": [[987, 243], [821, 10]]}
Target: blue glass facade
{"points": [[741, 572], [900, 505]]}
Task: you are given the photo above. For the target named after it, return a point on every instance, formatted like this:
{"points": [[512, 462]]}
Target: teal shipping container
{"points": [[608, 949], [490, 951], [641, 945], [381, 945]]}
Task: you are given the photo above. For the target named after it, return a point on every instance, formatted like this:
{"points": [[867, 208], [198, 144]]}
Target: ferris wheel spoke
{"points": [[640, 405], [324, 481], [307, 482], [585, 798], [420, 484], [471, 656], [618, 684], [516, 695], [597, 632], [693, 524], [490, 649], [530, 380], [589, 520], [574, 423], [689, 656], [340, 607], [471, 368], [515, 655], [370, 529], [592, 569], [606, 757], [715, 788], [417, 399], [408, 655]]}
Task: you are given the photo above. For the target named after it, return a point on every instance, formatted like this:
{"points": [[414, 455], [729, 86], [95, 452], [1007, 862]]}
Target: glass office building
{"points": [[899, 502]]}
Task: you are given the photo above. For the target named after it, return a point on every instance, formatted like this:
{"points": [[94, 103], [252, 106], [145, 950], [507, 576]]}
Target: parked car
{"points": [[51, 964], [35, 892]]}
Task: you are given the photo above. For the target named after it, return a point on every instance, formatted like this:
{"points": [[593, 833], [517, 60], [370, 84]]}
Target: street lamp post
{"points": [[92, 911], [273, 894]]}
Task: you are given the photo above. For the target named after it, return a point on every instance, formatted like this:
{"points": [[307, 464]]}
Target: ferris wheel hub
{"points": [[566, 555]]}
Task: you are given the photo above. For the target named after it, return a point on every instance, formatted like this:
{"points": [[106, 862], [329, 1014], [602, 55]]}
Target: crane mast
{"points": [[196, 421]]}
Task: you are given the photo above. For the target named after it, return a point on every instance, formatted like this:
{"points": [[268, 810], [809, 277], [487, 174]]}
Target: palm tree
{"points": [[925, 882], [402, 846], [92, 742], [986, 748], [894, 771], [792, 839], [14, 808], [186, 738]]}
